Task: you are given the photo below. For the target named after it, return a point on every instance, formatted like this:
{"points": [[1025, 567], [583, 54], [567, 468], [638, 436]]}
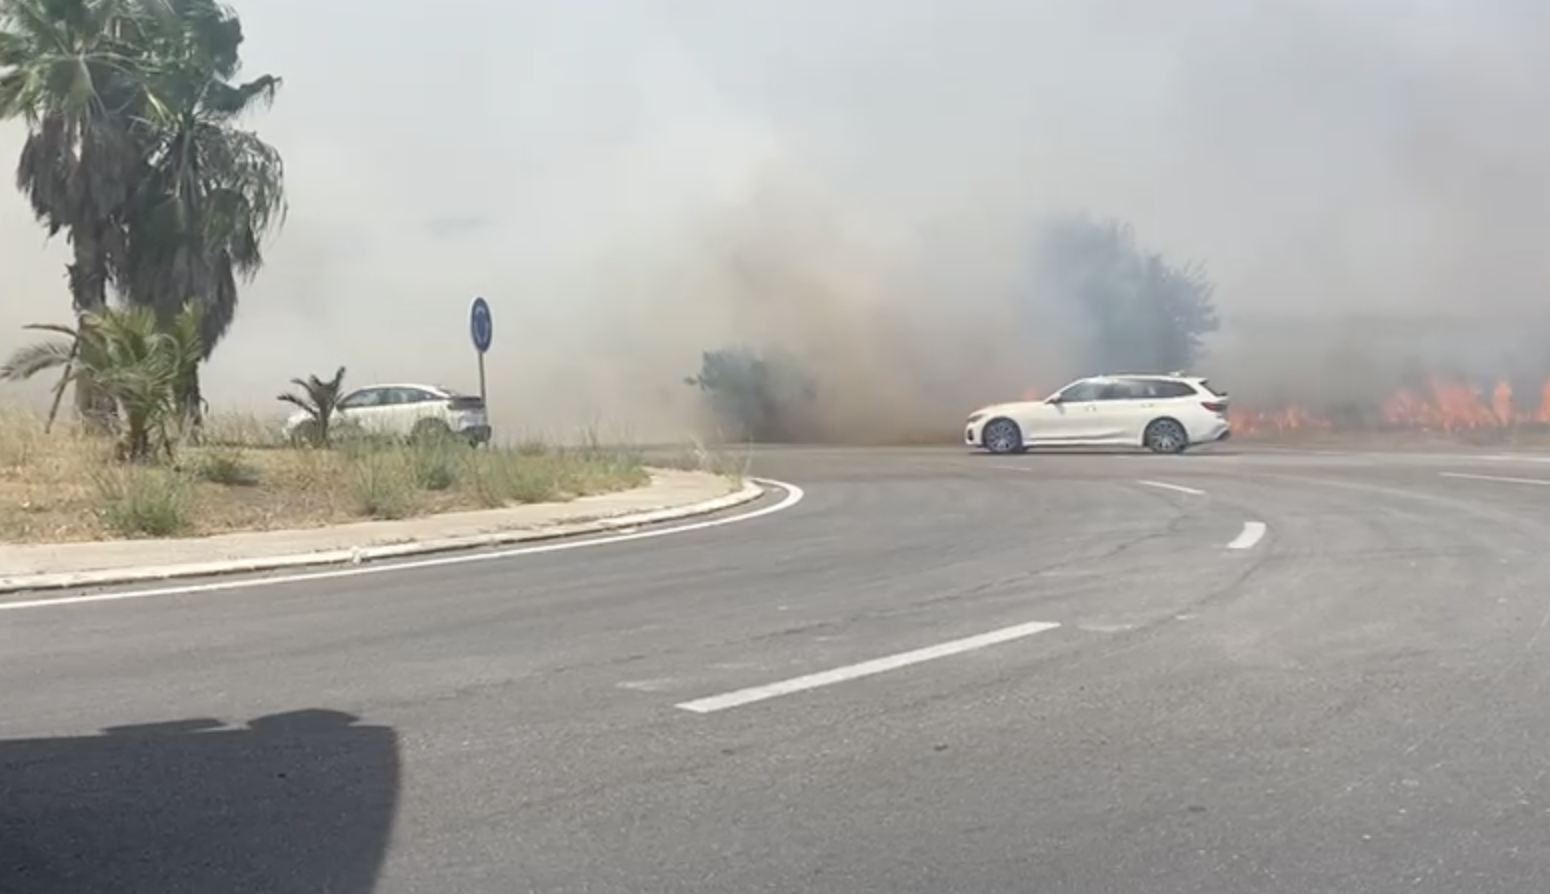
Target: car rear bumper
{"points": [[478, 434], [1215, 434]]}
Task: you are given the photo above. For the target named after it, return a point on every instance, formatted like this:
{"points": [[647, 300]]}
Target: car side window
{"points": [[1082, 392], [416, 396], [368, 397], [1122, 391], [1170, 390]]}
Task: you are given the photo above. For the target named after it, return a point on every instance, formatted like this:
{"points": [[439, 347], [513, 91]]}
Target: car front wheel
{"points": [[1002, 436]]}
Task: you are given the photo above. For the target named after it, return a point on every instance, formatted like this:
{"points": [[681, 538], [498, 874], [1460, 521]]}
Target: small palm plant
{"points": [[319, 399], [126, 355]]}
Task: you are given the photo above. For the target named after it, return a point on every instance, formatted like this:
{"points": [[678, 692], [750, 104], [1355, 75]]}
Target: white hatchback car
{"points": [[405, 411], [1163, 413]]}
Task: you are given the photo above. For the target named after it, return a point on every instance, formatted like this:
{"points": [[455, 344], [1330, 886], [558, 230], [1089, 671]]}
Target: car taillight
{"points": [[1215, 406]]}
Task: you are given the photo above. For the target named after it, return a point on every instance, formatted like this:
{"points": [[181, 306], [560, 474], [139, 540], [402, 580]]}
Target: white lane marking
{"points": [[1509, 458], [1252, 533], [1541, 482], [793, 496], [1173, 487], [864, 669]]}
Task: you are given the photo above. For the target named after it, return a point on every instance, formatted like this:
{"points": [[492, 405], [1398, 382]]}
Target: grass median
{"points": [[64, 486]]}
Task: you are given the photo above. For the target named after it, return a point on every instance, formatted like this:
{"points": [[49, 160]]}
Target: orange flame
{"points": [[1439, 407]]}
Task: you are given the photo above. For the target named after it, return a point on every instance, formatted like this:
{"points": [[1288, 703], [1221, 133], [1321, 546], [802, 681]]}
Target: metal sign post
{"points": [[481, 328]]}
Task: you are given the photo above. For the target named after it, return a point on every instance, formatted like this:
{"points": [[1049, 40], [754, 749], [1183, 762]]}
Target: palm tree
{"points": [[320, 399], [143, 366], [209, 191], [134, 152], [66, 70]]}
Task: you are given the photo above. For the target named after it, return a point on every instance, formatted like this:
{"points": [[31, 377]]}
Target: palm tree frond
{"points": [[29, 360], [297, 401], [51, 327]]}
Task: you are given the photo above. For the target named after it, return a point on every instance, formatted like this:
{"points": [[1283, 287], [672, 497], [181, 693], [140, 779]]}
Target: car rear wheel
{"points": [[1002, 436], [1165, 436]]}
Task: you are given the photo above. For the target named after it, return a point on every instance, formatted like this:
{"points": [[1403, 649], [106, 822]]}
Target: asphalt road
{"points": [[1272, 672]]}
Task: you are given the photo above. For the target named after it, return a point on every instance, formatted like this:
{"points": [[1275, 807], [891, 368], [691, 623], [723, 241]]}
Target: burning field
{"points": [[1434, 407]]}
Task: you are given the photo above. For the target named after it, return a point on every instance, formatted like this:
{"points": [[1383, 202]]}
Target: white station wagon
{"points": [[406, 411], [1163, 413]]}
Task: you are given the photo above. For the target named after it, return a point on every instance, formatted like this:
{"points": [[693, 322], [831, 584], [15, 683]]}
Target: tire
{"points": [[1165, 436], [1002, 436]]}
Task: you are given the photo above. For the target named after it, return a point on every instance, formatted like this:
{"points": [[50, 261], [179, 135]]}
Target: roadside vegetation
{"points": [[69, 484], [147, 465]]}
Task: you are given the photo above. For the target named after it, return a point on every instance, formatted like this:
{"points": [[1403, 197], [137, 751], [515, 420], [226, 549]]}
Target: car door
{"points": [[399, 411], [1153, 398], [357, 408], [414, 405], [1073, 412], [366, 409], [1119, 412]]}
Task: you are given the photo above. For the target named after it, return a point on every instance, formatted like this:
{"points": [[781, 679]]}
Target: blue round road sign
{"points": [[480, 325]]}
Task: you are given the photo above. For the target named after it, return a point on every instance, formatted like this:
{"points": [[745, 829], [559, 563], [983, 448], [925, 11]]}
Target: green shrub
{"points": [[434, 464], [757, 395], [228, 466], [531, 482], [143, 502], [383, 484]]}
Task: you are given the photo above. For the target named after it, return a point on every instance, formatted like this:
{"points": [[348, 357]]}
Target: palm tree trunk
{"points": [[193, 406], [59, 390], [89, 289]]}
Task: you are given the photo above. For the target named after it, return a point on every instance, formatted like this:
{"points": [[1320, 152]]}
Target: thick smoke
{"points": [[860, 184]]}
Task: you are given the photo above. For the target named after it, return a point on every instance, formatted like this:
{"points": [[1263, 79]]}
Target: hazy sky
{"points": [[630, 181]]}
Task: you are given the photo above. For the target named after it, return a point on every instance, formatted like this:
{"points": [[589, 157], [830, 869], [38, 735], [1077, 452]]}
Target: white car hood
{"points": [[996, 409]]}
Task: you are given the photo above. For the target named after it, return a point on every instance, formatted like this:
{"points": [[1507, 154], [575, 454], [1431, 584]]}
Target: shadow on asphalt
{"points": [[299, 803]]}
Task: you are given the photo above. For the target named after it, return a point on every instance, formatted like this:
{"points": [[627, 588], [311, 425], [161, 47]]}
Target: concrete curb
{"points": [[108, 577]]}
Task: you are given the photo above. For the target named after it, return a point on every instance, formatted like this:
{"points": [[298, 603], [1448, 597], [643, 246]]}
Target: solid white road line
{"points": [[1173, 487], [793, 496], [1540, 482], [865, 669], [1509, 458], [1252, 533]]}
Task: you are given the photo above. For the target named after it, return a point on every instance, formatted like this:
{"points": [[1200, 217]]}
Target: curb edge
{"points": [[750, 491]]}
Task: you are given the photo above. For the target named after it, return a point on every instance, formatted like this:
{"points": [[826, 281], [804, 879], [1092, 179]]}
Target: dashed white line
{"points": [[864, 669], [793, 496], [1539, 482], [1252, 533], [1179, 488]]}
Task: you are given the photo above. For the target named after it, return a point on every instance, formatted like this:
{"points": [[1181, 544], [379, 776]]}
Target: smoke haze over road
{"points": [[631, 182]]}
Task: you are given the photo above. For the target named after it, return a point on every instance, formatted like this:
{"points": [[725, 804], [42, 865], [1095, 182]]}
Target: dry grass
{"points": [[63, 486]]}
